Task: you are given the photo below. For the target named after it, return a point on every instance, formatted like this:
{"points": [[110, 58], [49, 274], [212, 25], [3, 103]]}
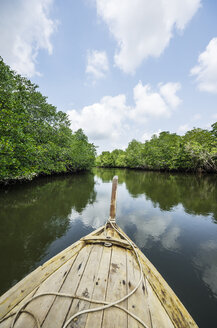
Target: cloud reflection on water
{"points": [[206, 261], [133, 215]]}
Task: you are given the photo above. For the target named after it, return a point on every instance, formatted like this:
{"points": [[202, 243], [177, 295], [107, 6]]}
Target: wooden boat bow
{"points": [[103, 280]]}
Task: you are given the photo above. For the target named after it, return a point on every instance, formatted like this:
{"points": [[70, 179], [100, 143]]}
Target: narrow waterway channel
{"points": [[171, 217]]}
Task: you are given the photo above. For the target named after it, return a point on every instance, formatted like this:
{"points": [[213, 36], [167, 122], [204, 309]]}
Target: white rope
{"points": [[107, 304], [20, 311]]}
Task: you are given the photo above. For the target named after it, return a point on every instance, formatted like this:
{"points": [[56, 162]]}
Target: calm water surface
{"points": [[171, 217]]}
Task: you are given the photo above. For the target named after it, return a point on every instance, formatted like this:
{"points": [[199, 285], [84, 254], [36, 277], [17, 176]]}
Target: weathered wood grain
{"points": [[41, 306], [159, 316], [99, 292], [101, 240], [61, 305], [138, 302], [85, 287], [116, 289]]}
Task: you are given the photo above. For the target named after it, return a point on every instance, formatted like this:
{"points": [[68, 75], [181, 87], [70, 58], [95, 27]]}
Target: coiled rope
{"points": [[103, 307]]}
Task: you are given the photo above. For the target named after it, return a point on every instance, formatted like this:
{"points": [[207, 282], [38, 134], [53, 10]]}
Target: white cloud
{"points": [[97, 64], [149, 103], [109, 118], [25, 28], [168, 91], [206, 70], [144, 28], [101, 120]]}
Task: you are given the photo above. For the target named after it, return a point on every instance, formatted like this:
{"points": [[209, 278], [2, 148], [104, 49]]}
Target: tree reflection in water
{"points": [[196, 193], [35, 214]]}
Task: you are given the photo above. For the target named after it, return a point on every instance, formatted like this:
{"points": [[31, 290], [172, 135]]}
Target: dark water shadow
{"points": [[36, 214]]}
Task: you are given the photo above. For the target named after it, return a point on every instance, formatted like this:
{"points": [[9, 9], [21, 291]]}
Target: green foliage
{"points": [[214, 129], [201, 149], [35, 138], [196, 151], [117, 158], [134, 154], [163, 152]]}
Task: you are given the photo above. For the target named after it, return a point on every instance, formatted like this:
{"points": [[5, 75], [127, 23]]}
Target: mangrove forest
{"points": [[195, 151], [35, 138]]}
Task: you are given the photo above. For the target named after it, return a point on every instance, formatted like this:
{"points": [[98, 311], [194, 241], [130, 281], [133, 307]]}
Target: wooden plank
{"points": [[7, 323], [86, 287], [116, 289], [102, 240], [138, 302], [159, 317], [41, 306], [18, 292], [110, 232], [173, 306], [61, 305], [99, 293]]}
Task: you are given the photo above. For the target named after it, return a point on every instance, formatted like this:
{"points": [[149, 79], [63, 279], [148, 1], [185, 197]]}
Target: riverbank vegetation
{"points": [[195, 151], [35, 138]]}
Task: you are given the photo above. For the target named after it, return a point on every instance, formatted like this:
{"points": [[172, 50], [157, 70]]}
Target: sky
{"points": [[121, 70]]}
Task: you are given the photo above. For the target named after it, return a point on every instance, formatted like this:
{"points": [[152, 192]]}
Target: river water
{"points": [[171, 217]]}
